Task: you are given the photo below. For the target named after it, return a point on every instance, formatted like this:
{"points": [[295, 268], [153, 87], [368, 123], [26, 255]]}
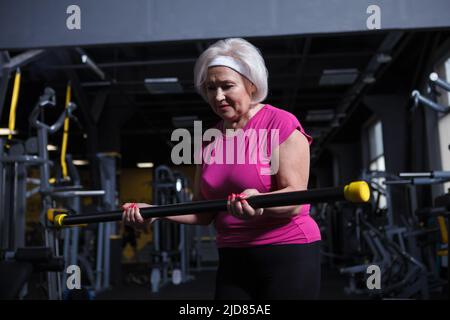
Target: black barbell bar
{"points": [[356, 192]]}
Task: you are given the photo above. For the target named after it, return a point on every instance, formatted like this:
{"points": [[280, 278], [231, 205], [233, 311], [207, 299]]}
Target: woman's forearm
{"points": [[194, 219]]}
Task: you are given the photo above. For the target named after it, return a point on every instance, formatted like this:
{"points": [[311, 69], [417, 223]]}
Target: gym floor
{"points": [[135, 285], [202, 288]]}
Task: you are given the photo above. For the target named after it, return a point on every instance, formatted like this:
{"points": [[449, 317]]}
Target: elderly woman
{"points": [[271, 253]]}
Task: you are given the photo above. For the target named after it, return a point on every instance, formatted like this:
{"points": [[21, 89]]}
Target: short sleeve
{"points": [[282, 126], [287, 124]]}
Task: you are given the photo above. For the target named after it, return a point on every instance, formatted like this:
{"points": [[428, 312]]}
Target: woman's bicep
{"points": [[294, 161]]}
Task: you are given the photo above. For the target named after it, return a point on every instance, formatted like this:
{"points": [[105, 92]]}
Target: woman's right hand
{"points": [[132, 217]]}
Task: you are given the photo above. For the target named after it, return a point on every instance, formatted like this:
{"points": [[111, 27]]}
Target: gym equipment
{"points": [[18, 262], [426, 253], [354, 192], [402, 276], [441, 210], [98, 275], [17, 267], [48, 100], [441, 204], [13, 172], [13, 181], [170, 241], [96, 269], [203, 248], [403, 252], [341, 227], [66, 188], [421, 178], [433, 83]]}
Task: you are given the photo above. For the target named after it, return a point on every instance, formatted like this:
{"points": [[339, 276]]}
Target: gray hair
{"points": [[242, 51]]}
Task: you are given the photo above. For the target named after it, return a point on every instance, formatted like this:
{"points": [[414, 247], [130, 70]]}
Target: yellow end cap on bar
{"points": [[54, 212], [59, 219], [357, 191]]}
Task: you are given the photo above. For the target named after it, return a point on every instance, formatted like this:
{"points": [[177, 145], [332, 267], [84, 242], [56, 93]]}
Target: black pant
{"points": [[269, 272]]}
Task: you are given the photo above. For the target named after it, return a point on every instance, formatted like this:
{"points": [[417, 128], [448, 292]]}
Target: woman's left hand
{"points": [[239, 207]]}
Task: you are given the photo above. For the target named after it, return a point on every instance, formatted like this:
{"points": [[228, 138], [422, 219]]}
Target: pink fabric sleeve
{"points": [[286, 123]]}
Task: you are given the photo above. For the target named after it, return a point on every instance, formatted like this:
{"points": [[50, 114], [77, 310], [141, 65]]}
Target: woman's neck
{"points": [[243, 119]]}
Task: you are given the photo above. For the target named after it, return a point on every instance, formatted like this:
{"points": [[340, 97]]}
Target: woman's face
{"points": [[228, 92]]}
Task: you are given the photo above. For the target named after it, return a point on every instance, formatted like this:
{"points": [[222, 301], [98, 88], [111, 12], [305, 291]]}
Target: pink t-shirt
{"points": [[232, 164]]}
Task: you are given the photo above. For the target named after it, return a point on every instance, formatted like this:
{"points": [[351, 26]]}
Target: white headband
{"points": [[232, 63]]}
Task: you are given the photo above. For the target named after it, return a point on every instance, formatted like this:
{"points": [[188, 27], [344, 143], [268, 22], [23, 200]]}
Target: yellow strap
{"points": [[14, 101], [65, 135], [444, 231], [442, 253]]}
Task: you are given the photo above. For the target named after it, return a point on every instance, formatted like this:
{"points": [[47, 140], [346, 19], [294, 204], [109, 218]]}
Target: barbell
{"points": [[356, 192]]}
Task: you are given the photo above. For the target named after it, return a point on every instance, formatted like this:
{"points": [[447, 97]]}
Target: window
{"points": [[376, 155], [443, 71]]}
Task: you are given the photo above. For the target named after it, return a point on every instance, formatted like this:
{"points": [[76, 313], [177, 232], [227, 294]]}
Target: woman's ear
{"points": [[252, 89], [249, 87]]}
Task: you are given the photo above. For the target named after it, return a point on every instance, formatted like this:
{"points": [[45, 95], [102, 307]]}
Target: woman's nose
{"points": [[219, 95]]}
